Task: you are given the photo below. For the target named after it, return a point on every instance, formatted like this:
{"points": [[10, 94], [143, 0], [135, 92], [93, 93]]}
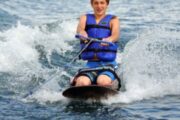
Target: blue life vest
{"points": [[95, 51]]}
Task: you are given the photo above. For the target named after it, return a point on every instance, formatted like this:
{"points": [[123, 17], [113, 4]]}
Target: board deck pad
{"points": [[89, 92]]}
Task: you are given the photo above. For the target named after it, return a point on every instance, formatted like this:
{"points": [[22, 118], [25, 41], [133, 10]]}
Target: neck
{"points": [[98, 17]]}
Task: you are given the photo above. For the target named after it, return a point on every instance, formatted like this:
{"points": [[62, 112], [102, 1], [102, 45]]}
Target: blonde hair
{"points": [[107, 1]]}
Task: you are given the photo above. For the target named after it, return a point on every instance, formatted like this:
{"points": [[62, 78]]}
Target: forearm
{"points": [[113, 38]]}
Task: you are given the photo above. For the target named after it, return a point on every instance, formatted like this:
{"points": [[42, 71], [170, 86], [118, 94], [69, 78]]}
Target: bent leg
{"points": [[104, 80], [82, 81]]}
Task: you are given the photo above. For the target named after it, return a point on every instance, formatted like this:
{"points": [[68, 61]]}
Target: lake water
{"points": [[37, 41]]}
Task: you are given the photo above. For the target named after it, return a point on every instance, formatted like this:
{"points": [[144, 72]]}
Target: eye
{"points": [[102, 2], [95, 3]]}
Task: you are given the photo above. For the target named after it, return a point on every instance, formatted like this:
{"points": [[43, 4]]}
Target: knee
{"points": [[104, 80], [82, 81]]}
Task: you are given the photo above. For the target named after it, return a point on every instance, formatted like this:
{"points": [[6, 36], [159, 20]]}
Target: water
{"points": [[37, 40]]}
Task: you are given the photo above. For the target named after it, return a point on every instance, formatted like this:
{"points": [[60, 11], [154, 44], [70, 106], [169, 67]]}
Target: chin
{"points": [[99, 14]]}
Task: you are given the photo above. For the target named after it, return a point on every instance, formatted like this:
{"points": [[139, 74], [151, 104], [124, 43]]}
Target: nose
{"points": [[99, 5]]}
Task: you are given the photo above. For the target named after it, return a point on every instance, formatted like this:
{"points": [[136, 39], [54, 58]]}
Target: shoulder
{"points": [[114, 20], [83, 17]]}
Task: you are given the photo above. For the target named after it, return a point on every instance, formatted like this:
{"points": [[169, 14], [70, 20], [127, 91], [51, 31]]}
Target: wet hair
{"points": [[106, 1]]}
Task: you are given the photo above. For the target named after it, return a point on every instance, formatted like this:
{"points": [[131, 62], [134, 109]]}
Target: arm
{"points": [[81, 26], [115, 30]]}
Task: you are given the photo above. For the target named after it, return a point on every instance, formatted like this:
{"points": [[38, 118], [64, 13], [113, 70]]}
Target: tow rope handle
{"points": [[81, 37]]}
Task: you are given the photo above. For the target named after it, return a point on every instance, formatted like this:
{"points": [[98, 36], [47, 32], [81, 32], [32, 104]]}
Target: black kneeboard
{"points": [[89, 92]]}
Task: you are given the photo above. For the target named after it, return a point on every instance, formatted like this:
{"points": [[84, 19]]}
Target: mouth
{"points": [[99, 10]]}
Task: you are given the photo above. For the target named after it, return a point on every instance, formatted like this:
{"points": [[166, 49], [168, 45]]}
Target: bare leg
{"points": [[104, 80], [82, 81]]}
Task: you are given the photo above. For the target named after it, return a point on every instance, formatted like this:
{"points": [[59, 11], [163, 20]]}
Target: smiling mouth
{"points": [[99, 10]]}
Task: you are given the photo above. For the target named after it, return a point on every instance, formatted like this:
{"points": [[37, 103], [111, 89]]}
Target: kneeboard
{"points": [[89, 92]]}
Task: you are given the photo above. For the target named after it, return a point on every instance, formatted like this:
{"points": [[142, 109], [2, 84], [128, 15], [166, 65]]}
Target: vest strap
{"points": [[96, 26], [99, 50]]}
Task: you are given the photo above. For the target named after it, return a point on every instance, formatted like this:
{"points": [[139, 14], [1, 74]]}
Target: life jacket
{"points": [[95, 51]]}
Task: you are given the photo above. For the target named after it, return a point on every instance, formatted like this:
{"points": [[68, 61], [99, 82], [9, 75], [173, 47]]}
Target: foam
{"points": [[150, 66], [46, 96]]}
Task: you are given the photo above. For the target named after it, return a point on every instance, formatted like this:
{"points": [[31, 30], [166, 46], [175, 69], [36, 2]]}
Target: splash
{"points": [[16, 49], [21, 53], [18, 45], [46, 96], [150, 66]]}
